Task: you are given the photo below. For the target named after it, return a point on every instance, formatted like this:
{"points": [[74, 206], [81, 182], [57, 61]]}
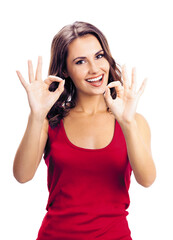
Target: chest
{"points": [[92, 132]]}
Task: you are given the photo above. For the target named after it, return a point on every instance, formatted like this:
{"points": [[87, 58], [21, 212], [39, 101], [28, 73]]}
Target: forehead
{"points": [[84, 46]]}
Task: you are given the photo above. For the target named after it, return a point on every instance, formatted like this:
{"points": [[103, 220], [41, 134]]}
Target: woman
{"points": [[83, 118]]}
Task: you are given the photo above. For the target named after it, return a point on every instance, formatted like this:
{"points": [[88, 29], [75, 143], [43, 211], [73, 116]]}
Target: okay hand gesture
{"points": [[125, 104], [39, 97]]}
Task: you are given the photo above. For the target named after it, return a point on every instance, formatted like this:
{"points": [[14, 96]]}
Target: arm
{"points": [[138, 140], [134, 126], [31, 148], [40, 99]]}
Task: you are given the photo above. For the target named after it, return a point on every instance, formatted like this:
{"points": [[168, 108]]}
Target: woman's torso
{"points": [[88, 180], [92, 131]]}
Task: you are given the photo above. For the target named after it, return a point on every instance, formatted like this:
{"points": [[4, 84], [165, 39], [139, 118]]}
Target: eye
{"points": [[80, 62], [100, 56]]}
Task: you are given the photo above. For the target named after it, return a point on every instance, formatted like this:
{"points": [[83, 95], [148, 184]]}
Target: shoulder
{"points": [[141, 120], [143, 126]]}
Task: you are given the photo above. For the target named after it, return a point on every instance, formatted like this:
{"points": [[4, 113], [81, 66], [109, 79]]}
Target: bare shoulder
{"points": [[143, 126], [141, 120]]}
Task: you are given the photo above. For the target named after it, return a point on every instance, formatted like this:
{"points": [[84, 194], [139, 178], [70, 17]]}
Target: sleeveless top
{"points": [[88, 189]]}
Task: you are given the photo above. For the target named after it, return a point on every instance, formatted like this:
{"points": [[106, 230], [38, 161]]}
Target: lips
{"points": [[97, 81]]}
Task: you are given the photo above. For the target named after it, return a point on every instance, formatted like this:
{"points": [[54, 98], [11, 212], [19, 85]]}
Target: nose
{"points": [[93, 68]]}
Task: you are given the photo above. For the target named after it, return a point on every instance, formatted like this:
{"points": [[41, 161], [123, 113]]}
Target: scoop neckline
{"points": [[88, 149]]}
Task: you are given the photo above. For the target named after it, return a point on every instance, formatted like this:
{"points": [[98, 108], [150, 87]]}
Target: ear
{"points": [[65, 74]]}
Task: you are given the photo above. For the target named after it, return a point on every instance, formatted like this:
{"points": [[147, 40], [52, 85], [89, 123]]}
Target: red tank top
{"points": [[88, 189]]}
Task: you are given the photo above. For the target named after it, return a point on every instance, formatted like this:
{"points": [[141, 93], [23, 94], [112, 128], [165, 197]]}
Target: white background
{"points": [[139, 34]]}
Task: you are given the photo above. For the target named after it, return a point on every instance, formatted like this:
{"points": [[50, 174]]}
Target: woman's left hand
{"points": [[124, 105]]}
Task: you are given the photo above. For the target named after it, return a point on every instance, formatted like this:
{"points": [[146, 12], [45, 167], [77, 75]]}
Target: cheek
{"points": [[78, 73], [74, 72], [105, 65]]}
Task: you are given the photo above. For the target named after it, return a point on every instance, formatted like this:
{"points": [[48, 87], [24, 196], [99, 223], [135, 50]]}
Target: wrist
{"points": [[128, 126], [37, 117]]}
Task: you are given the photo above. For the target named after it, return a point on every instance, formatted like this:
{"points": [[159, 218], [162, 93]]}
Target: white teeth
{"points": [[94, 79]]}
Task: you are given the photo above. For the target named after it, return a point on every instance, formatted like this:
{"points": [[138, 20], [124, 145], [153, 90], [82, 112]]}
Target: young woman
{"points": [[83, 118]]}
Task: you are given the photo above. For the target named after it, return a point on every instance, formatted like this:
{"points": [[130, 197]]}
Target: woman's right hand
{"points": [[40, 98]]}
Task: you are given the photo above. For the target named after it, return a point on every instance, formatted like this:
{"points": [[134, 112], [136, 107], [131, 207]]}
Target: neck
{"points": [[91, 104]]}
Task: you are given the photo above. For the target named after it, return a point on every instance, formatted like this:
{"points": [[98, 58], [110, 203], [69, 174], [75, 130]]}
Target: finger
{"points": [[114, 84], [51, 79], [125, 77], [108, 97], [30, 71], [60, 88], [118, 88], [22, 80], [38, 75], [133, 83], [142, 88]]}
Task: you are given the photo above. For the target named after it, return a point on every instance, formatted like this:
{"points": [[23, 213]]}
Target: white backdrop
{"points": [[139, 34]]}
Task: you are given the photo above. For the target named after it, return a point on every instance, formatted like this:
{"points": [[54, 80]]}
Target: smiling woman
{"points": [[83, 118], [95, 81], [87, 71], [68, 40]]}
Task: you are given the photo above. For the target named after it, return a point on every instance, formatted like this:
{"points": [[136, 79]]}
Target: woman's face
{"points": [[87, 66]]}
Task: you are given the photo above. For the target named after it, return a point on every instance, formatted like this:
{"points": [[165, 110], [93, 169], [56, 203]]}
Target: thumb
{"points": [[108, 97], [60, 88]]}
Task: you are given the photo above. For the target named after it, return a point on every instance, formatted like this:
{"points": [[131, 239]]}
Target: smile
{"points": [[96, 82], [99, 78]]}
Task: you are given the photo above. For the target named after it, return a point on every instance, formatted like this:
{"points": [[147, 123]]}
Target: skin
{"points": [[89, 124]]}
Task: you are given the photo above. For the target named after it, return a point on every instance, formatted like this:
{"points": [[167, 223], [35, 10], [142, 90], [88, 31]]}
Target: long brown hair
{"points": [[57, 67]]}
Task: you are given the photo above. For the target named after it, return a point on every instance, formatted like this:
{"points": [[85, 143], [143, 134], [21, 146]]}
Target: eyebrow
{"points": [[85, 57]]}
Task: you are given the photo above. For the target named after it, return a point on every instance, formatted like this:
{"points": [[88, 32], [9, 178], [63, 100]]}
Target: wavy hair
{"points": [[57, 67]]}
